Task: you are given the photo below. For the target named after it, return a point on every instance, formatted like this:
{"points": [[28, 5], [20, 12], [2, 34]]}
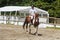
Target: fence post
{"points": [[54, 22], [15, 16], [4, 17]]}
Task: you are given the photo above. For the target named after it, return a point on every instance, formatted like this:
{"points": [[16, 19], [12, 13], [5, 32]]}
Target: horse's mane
{"points": [[36, 15]]}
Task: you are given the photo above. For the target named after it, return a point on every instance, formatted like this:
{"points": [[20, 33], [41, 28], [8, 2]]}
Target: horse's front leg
{"points": [[37, 30], [29, 29]]}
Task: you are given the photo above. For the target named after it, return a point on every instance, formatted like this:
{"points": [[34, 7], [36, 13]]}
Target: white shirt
{"points": [[32, 12]]}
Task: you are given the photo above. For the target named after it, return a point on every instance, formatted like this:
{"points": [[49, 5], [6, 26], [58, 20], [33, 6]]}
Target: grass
{"points": [[53, 28]]}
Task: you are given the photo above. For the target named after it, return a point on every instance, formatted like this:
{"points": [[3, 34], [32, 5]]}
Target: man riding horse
{"points": [[32, 14], [31, 19]]}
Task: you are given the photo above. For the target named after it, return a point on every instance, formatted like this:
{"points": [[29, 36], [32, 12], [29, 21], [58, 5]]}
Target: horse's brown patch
{"points": [[28, 18]]}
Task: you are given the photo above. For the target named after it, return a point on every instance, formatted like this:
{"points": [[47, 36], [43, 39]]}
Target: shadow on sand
{"points": [[35, 34]]}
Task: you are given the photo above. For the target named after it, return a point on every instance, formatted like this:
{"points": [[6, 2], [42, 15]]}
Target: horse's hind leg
{"points": [[27, 27], [24, 25]]}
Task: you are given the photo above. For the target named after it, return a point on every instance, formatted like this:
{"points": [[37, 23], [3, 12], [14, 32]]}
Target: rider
{"points": [[32, 12]]}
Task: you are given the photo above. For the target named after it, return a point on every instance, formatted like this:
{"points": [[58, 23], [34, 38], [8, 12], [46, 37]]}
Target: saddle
{"points": [[30, 18]]}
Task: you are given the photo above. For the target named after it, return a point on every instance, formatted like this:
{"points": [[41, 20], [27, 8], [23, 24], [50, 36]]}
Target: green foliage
{"points": [[52, 6], [57, 28]]}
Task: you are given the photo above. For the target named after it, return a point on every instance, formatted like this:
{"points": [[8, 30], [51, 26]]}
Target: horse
{"points": [[27, 24]]}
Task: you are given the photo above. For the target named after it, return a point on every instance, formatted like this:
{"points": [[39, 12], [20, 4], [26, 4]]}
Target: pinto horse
{"points": [[27, 24]]}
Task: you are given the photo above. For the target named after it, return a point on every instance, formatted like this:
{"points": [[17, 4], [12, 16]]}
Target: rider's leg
{"points": [[32, 17], [32, 21]]}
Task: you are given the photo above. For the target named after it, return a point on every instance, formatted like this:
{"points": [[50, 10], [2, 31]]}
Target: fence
{"points": [[54, 21], [17, 19]]}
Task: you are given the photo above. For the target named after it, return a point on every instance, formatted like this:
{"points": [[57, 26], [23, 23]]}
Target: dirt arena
{"points": [[11, 32]]}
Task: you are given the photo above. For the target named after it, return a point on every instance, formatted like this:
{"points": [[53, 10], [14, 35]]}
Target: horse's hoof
{"points": [[36, 34], [29, 32], [26, 31], [23, 28]]}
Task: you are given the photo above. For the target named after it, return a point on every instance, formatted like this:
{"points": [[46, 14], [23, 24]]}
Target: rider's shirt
{"points": [[32, 12]]}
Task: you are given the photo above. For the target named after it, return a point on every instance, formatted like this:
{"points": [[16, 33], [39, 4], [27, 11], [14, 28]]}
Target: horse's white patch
{"points": [[31, 17], [34, 20]]}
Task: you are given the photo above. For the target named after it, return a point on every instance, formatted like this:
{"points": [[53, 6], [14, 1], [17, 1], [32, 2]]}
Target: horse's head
{"points": [[36, 15], [36, 20]]}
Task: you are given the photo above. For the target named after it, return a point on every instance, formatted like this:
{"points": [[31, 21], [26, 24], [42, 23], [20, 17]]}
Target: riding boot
{"points": [[32, 21]]}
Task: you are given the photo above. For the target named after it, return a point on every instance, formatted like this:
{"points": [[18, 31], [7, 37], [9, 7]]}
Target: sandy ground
{"points": [[11, 32]]}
